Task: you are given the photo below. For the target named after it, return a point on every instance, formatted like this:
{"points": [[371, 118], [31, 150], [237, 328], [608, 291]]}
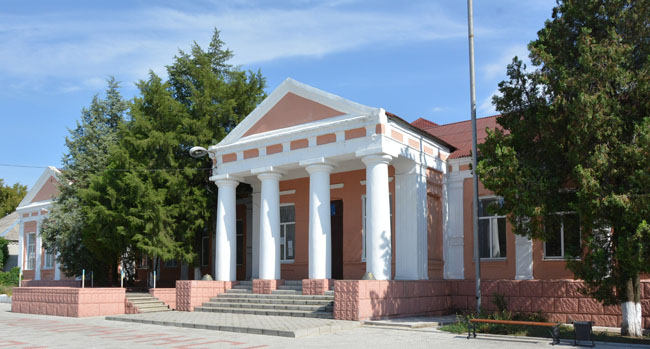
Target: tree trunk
{"points": [[631, 309]]}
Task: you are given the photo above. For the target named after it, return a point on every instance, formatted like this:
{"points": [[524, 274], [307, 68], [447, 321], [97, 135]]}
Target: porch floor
{"points": [[245, 323]]}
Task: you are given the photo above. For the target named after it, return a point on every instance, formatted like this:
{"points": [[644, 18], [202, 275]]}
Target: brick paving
{"points": [[284, 326]]}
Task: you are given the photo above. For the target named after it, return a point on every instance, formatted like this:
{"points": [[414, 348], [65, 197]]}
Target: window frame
{"points": [[363, 222], [563, 256], [283, 240], [48, 257], [31, 252], [490, 218]]}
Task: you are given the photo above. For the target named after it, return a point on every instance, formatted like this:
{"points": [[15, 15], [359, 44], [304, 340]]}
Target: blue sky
{"points": [[408, 57]]}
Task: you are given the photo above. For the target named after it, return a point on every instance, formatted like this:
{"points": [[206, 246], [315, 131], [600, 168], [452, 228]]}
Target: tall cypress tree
{"points": [[576, 140], [164, 200], [88, 146]]}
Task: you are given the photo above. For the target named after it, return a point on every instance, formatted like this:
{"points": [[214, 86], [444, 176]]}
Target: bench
{"points": [[555, 330]]}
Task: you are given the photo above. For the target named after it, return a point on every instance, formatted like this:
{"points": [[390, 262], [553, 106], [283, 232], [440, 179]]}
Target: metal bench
{"points": [[555, 327]]}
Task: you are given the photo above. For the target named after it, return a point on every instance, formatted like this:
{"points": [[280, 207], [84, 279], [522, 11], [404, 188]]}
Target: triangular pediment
{"points": [[292, 110], [292, 104], [46, 188]]}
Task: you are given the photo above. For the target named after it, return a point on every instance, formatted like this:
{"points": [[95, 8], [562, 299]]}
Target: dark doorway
{"points": [[336, 211], [240, 238]]}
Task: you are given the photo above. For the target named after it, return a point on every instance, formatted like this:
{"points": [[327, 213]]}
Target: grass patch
{"points": [[566, 332], [7, 289]]}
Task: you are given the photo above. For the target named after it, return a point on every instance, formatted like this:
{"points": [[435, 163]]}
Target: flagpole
{"points": [[477, 259]]}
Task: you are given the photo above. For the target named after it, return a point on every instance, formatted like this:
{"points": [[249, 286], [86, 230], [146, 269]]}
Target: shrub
{"points": [[10, 278]]}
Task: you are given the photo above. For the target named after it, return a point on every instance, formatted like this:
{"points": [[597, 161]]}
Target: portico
{"points": [[306, 152]]}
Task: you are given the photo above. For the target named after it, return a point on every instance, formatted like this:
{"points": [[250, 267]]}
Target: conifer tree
{"points": [[575, 139]]}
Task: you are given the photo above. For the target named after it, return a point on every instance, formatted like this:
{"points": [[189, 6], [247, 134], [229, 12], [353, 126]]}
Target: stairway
{"points": [[287, 300], [146, 303]]}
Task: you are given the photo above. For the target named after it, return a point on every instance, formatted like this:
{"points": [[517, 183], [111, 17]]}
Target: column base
{"points": [[316, 287], [266, 286]]}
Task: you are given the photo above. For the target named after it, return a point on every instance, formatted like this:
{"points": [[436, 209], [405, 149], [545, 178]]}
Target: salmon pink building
{"points": [[340, 189]]}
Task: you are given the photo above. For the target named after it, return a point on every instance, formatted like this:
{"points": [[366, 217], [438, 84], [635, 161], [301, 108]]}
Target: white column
{"points": [[320, 230], [39, 248], [523, 257], [269, 223], [378, 234], [453, 238], [256, 232], [21, 245], [411, 255], [226, 236]]}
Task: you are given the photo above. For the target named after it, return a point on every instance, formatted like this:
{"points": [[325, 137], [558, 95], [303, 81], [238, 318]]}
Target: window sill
{"points": [[288, 261], [47, 268], [559, 259], [494, 259]]}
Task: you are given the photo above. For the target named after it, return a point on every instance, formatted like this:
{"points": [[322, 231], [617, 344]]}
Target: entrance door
{"points": [[336, 211], [240, 239]]}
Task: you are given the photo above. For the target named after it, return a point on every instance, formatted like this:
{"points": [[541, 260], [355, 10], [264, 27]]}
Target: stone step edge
{"points": [[269, 306], [275, 296], [271, 312], [251, 330], [271, 301]]}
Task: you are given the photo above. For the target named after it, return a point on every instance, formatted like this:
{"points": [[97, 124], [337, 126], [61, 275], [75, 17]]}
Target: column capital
{"points": [[225, 180], [378, 158], [317, 165], [269, 172]]}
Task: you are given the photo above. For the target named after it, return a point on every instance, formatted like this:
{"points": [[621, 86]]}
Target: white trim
{"points": [[287, 192], [336, 186], [305, 91], [390, 179], [363, 222], [50, 171]]}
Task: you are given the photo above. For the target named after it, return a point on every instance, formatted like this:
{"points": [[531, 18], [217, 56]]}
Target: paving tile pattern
{"points": [[255, 324]]}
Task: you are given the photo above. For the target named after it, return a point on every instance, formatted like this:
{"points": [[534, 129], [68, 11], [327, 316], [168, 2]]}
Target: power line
{"points": [[117, 169]]}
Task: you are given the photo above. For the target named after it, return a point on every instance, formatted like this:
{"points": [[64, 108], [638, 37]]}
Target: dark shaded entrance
{"points": [[336, 211]]}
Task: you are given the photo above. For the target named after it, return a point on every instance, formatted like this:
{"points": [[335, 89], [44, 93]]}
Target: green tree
{"points": [[88, 145], [164, 201], [10, 197], [575, 139], [4, 252]]}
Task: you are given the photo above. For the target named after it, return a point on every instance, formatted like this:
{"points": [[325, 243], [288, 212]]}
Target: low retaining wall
{"points": [[166, 295], [559, 300], [316, 286], [193, 293], [51, 283], [68, 301], [372, 299]]}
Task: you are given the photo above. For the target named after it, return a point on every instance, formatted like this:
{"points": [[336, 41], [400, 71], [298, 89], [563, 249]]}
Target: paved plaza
{"points": [[41, 331]]}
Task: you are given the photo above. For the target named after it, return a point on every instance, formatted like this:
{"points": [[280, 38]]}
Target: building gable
{"points": [[45, 188], [292, 110]]}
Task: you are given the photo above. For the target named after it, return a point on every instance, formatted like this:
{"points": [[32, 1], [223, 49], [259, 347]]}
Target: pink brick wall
{"points": [[166, 295], [193, 293], [67, 301], [51, 283], [372, 299], [559, 300], [263, 286], [316, 286]]}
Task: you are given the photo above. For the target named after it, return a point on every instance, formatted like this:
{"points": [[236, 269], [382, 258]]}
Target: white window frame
{"points": [[363, 220], [283, 240], [563, 256], [48, 260], [490, 218], [31, 252]]}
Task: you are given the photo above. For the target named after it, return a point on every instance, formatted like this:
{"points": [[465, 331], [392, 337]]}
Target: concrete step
{"points": [[276, 296], [246, 282], [243, 287], [225, 299], [150, 305], [145, 301], [290, 287], [329, 293], [239, 291], [287, 292], [293, 283], [294, 313], [154, 309], [302, 307]]}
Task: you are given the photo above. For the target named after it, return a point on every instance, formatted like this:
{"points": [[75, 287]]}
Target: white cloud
{"points": [[76, 50], [497, 68], [486, 108], [438, 109]]}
